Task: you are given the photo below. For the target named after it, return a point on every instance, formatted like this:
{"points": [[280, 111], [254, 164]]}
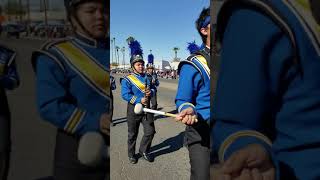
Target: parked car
{"points": [[13, 29]]}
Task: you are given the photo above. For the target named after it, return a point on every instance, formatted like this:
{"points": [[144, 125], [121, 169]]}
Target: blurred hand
{"points": [[217, 174], [246, 174], [148, 92], [105, 120], [144, 101], [187, 116], [250, 162]]}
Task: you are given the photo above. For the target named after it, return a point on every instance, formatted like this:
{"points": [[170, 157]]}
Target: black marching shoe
{"points": [[133, 160], [147, 157]]}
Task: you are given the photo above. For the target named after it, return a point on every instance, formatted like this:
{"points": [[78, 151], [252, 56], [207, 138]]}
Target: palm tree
{"points": [[175, 49], [117, 57], [114, 46], [112, 50]]}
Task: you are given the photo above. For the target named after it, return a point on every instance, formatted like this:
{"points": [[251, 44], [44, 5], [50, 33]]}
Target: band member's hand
{"points": [[148, 92], [246, 174], [187, 116], [251, 161], [105, 121], [217, 174], [144, 101]]}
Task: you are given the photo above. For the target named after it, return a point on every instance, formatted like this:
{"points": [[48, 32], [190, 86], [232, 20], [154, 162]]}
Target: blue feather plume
{"points": [[135, 48], [193, 47], [150, 59]]}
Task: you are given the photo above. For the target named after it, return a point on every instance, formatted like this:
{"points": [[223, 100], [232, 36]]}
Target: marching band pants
{"points": [[197, 139], [134, 121]]}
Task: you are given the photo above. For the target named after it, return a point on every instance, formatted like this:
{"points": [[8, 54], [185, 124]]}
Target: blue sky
{"points": [[157, 25]]}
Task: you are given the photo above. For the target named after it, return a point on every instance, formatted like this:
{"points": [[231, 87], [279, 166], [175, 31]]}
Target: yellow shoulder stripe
{"points": [[203, 62], [86, 67], [137, 82]]}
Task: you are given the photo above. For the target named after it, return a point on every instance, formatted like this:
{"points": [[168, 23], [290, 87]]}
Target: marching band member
{"points": [[73, 86], [136, 88]]}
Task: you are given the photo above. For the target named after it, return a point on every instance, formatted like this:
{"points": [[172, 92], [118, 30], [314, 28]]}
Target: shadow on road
{"points": [[168, 146]]}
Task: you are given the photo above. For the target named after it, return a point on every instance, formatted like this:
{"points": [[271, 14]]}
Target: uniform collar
{"points": [[85, 40], [206, 49]]}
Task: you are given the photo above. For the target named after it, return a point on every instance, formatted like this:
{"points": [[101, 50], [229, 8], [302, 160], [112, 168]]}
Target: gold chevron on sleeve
{"points": [[74, 120], [133, 99], [86, 67]]}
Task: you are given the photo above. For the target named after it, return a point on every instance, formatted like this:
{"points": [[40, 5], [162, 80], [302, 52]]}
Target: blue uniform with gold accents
{"points": [[73, 91], [73, 83], [133, 87], [133, 90], [268, 90], [194, 91], [194, 86]]}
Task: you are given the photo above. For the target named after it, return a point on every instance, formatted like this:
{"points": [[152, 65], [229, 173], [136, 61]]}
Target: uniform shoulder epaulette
{"points": [[46, 49], [189, 60], [48, 44], [123, 77]]}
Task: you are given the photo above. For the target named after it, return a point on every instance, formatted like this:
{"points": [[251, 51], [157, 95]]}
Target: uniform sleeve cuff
{"points": [[241, 142], [133, 100], [185, 106], [138, 100], [241, 139]]}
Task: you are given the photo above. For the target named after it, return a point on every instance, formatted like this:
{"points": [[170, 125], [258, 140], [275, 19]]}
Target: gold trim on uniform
{"points": [[79, 121], [137, 82], [2, 67], [301, 9], [86, 67], [73, 121], [133, 99], [245, 133], [184, 104], [202, 61]]}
